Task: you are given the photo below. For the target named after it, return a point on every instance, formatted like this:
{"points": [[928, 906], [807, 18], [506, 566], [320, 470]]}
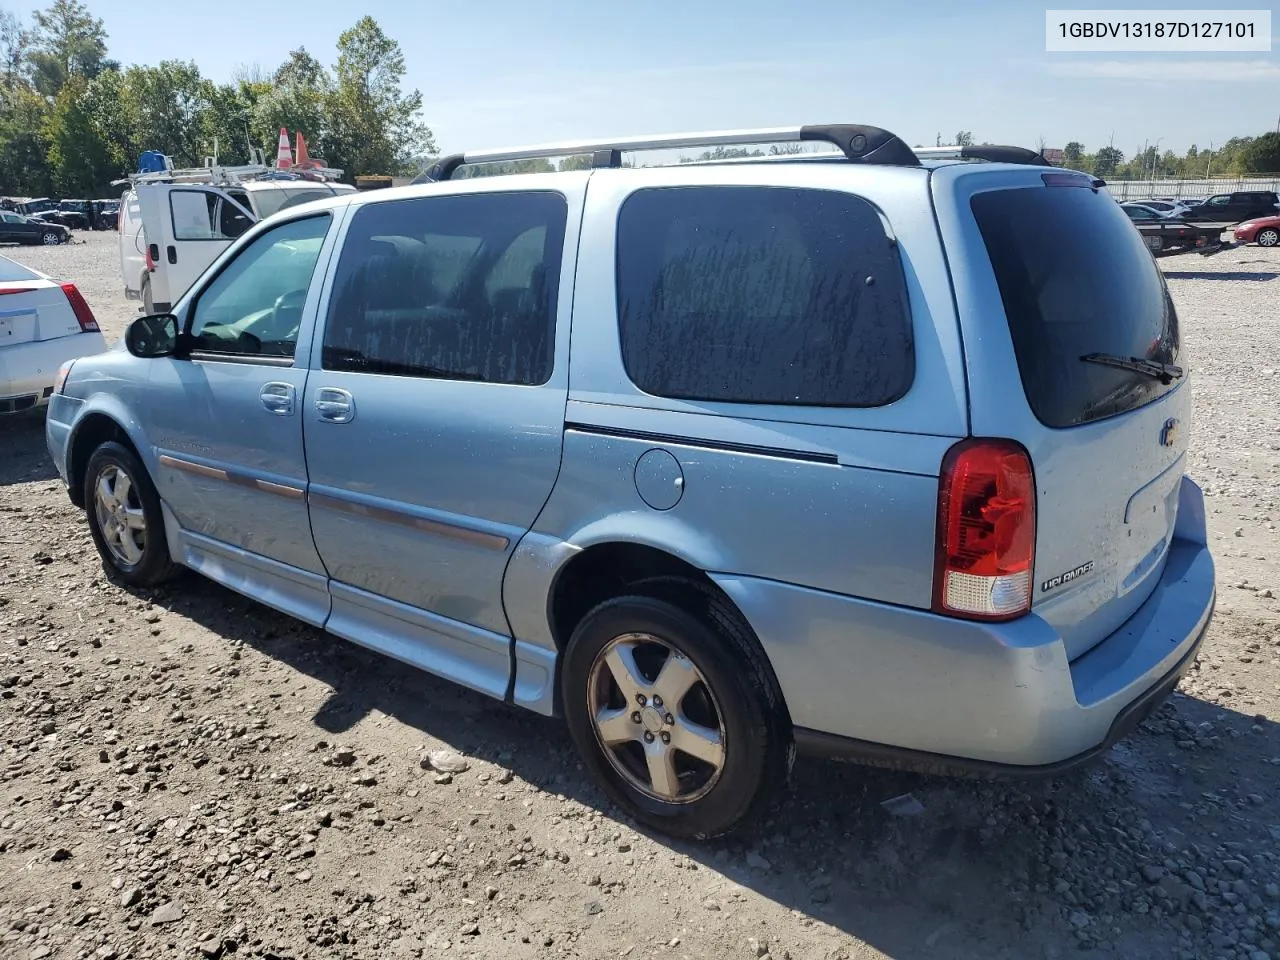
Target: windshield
{"points": [[1076, 279], [278, 198]]}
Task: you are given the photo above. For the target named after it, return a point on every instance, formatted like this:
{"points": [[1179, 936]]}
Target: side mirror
{"points": [[154, 336]]}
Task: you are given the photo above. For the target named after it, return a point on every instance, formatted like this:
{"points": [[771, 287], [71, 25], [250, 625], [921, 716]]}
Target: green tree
{"points": [[15, 44], [299, 100], [376, 127], [163, 110], [964, 138], [226, 124], [580, 162], [1072, 153], [24, 167], [1106, 161], [67, 41], [303, 68], [79, 155], [1261, 154]]}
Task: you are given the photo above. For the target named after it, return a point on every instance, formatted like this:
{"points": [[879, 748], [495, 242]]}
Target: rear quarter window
{"points": [[1076, 278], [764, 295]]}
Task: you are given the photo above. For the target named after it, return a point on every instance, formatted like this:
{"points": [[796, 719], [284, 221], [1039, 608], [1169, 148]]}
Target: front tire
{"points": [[675, 712], [125, 519], [50, 239], [1270, 237]]}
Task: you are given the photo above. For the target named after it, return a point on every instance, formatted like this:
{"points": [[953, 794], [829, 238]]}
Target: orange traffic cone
{"points": [[303, 162]]}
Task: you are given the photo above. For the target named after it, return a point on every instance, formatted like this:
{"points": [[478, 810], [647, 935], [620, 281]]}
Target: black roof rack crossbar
{"points": [[994, 153]]}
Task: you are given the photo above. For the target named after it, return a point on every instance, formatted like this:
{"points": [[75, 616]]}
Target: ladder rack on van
{"points": [[219, 175], [859, 143]]}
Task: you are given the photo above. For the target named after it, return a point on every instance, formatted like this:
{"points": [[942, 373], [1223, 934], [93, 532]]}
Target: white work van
{"points": [[171, 231]]}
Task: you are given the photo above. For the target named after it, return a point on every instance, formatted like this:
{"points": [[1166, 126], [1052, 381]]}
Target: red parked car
{"points": [[1264, 231]]}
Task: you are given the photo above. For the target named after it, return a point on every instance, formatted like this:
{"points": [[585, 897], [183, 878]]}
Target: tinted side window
{"points": [[461, 288], [762, 295], [231, 221]]}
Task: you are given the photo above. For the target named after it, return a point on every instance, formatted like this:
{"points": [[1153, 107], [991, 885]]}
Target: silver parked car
{"points": [[876, 453], [43, 324]]}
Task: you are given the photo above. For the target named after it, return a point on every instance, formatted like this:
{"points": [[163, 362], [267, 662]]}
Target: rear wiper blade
{"points": [[1166, 373]]}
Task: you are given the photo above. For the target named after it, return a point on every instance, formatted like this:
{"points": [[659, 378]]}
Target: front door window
{"points": [[253, 307]]}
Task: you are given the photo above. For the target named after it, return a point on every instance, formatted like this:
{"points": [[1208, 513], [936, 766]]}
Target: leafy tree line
{"points": [[72, 120], [1239, 156]]}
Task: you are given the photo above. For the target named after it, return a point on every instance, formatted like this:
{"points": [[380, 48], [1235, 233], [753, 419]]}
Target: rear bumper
{"points": [[27, 370], [907, 688]]}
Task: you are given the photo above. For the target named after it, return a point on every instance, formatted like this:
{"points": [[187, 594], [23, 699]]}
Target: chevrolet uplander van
{"points": [[874, 453]]}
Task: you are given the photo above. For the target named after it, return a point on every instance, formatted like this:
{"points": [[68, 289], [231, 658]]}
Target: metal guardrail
{"points": [[1173, 187]]}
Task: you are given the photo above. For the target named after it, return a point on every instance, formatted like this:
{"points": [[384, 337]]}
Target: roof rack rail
{"points": [[992, 152], [858, 142]]}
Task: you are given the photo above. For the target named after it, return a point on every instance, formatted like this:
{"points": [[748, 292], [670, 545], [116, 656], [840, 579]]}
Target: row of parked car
{"points": [[1227, 208], [42, 220], [1172, 225]]}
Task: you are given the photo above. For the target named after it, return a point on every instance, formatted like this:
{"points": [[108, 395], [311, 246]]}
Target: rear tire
{"points": [[125, 519], [1270, 237], [723, 704]]}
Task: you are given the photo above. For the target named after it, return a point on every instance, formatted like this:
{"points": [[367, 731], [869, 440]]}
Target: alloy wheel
{"points": [[120, 517], [656, 718]]}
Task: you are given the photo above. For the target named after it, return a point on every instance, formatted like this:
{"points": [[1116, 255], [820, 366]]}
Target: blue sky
{"points": [[502, 72]]}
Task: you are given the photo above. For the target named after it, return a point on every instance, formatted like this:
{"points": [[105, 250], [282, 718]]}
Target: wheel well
{"points": [[615, 569], [95, 430], [610, 570]]}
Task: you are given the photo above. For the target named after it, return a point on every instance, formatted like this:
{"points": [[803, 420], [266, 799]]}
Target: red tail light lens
{"points": [[986, 531], [84, 316], [150, 262]]}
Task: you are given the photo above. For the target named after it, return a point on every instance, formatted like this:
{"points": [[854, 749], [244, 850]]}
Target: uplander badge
{"points": [[1067, 577]]}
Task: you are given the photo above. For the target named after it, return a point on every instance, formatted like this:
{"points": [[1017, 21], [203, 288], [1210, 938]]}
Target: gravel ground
{"points": [[185, 773]]}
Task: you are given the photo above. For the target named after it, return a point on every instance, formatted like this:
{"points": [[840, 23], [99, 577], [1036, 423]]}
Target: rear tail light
{"points": [[986, 531], [150, 261], [84, 316]]}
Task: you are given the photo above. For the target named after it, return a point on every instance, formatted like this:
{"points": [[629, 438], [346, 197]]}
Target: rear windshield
{"points": [[1076, 278], [280, 198], [11, 272]]}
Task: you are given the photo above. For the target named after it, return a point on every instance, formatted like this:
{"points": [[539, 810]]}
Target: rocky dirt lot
{"points": [[186, 773]]}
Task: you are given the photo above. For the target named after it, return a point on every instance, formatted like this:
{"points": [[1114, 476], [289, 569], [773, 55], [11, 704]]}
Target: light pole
{"points": [[1155, 157]]}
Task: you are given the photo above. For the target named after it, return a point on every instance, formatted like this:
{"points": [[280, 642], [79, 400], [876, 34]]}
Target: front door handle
{"points": [[335, 405], [278, 397]]}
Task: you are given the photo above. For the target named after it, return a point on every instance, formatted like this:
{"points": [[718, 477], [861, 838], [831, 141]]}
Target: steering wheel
{"points": [[287, 313]]}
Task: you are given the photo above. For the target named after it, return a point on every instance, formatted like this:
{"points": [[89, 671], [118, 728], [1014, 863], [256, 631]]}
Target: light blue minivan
{"points": [[875, 453]]}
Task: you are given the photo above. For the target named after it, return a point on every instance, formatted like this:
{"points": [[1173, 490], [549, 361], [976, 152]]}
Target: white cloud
{"points": [[1170, 71]]}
